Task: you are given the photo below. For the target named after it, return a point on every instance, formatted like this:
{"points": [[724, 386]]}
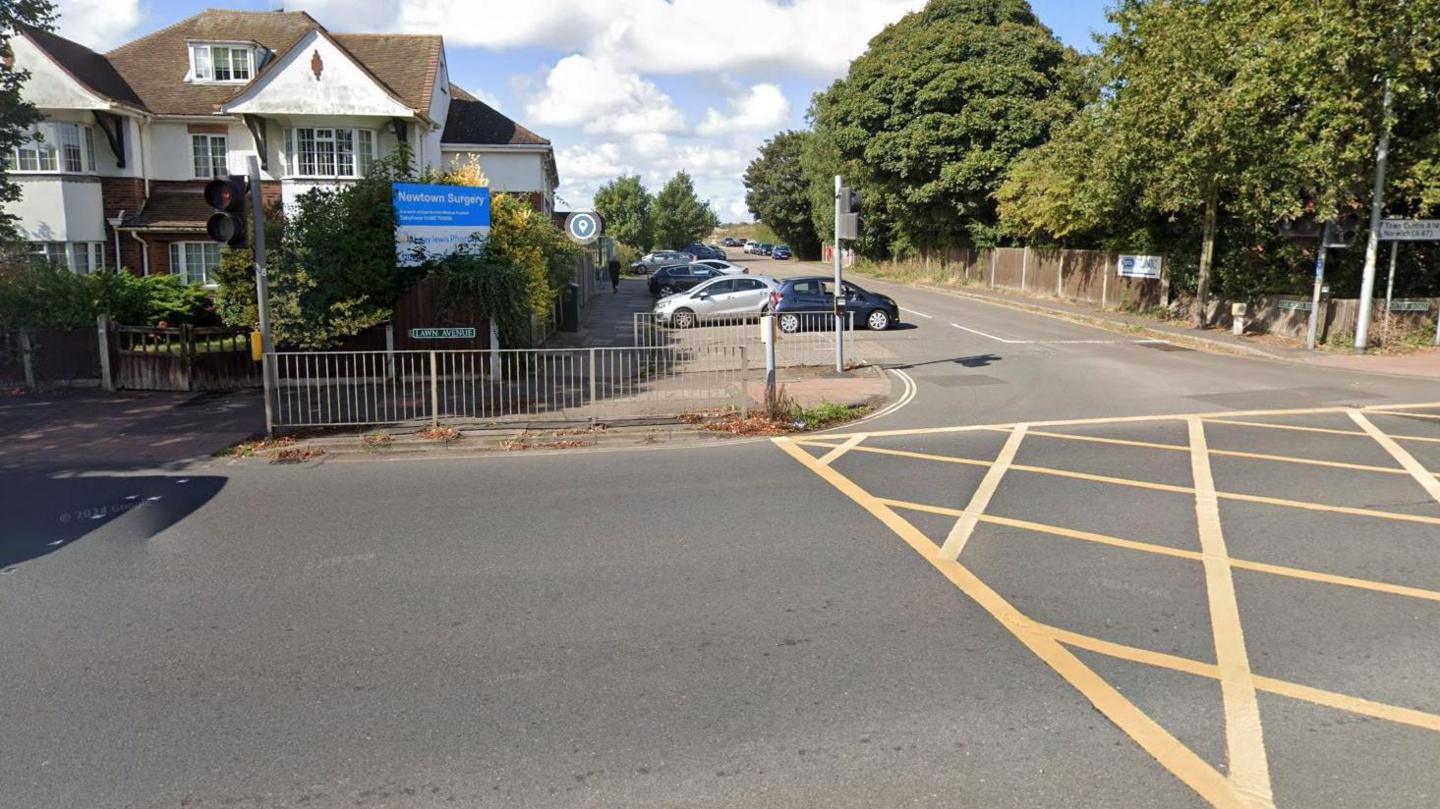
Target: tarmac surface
{"points": [[1074, 570]]}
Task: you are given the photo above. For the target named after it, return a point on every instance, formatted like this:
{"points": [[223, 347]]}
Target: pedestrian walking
{"points": [[614, 267]]}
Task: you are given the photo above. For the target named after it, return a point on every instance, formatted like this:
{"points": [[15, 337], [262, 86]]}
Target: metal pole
{"points": [[262, 295], [839, 324], [434, 392], [1372, 244], [1389, 293], [1315, 296]]}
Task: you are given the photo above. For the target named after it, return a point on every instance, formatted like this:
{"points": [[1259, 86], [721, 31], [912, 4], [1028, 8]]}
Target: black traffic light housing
{"points": [[1347, 229], [850, 202], [228, 197]]}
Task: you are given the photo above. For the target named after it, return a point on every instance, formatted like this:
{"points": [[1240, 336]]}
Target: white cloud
{"points": [[599, 99], [98, 24], [762, 108]]}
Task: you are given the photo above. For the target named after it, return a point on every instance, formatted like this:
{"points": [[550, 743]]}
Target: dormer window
{"points": [[221, 63]]}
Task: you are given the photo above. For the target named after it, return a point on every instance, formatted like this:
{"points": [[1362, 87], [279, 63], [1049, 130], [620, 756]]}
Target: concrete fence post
{"points": [[390, 351], [27, 358], [102, 334], [1104, 284], [1024, 267], [1060, 277]]}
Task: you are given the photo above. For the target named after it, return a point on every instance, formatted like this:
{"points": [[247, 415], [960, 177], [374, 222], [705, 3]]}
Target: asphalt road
{"points": [[1127, 621]]}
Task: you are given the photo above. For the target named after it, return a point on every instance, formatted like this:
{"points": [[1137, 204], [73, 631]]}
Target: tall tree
{"points": [[932, 114], [16, 114], [778, 192], [680, 217], [624, 205]]}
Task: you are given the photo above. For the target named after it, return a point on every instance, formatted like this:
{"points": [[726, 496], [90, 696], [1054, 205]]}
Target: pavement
{"points": [[1067, 567]]}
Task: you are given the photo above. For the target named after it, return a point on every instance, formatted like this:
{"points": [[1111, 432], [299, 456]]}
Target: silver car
{"points": [[732, 297]]}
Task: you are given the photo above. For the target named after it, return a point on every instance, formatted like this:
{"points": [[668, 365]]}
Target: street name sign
{"points": [[433, 221], [460, 333], [1410, 306], [1140, 266], [1410, 230]]}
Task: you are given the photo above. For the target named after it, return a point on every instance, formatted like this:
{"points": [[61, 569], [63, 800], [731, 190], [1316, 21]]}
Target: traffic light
{"points": [[849, 212], [228, 197], [1347, 228]]}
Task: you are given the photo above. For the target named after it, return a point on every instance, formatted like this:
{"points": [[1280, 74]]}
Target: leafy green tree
{"points": [[930, 117], [16, 114], [624, 205], [680, 217], [778, 193]]}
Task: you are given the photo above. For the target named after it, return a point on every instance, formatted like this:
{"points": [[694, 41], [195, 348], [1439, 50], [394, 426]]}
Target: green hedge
{"points": [[49, 296]]}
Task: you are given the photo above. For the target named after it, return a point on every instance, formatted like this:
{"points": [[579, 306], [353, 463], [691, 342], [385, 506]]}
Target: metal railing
{"points": [[513, 386], [811, 343]]}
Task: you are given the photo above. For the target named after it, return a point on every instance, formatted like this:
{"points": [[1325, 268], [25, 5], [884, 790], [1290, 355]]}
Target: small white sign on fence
{"points": [[1410, 230], [1139, 266], [1410, 306]]}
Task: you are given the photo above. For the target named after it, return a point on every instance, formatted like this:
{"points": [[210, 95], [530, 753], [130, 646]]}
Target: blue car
{"points": [[809, 303], [780, 252]]}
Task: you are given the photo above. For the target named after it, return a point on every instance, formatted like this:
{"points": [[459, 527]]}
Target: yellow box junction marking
{"points": [[1244, 739], [1248, 784]]}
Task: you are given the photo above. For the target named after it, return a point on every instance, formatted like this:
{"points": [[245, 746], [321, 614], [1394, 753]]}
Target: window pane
{"points": [[177, 260], [345, 152], [70, 147], [240, 63], [366, 150], [219, 161], [80, 258], [90, 147], [325, 152], [221, 63], [307, 151], [202, 62], [49, 156], [200, 145]]}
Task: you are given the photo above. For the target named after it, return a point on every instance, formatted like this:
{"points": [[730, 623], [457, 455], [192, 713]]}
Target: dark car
{"points": [[730, 241], [780, 252], [680, 277], [803, 302], [705, 251], [765, 249]]}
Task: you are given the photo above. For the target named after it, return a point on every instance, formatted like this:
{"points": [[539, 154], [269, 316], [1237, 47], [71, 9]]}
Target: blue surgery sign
{"points": [[432, 221]]}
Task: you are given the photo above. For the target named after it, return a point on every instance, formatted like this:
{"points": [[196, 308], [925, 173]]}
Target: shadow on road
{"points": [[976, 361], [39, 516]]}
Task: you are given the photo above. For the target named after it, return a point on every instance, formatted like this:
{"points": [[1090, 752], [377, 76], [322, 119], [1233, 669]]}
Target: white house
{"points": [[131, 136]]}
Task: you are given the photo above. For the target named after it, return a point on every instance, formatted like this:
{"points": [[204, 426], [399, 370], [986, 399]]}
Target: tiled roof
{"points": [[405, 62], [172, 209], [473, 121], [86, 66], [156, 65]]}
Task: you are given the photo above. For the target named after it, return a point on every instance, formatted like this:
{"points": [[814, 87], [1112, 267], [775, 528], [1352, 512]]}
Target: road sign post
{"points": [[1319, 282], [839, 324], [262, 296], [1372, 243]]}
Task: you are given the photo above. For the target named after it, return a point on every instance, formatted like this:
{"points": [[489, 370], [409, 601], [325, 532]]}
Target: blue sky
{"points": [[619, 86]]}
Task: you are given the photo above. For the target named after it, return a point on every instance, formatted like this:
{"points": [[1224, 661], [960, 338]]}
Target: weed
{"points": [[295, 454], [444, 435], [827, 413], [375, 441], [246, 449]]}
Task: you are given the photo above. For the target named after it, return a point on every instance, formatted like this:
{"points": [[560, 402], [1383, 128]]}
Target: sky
{"points": [[643, 87]]}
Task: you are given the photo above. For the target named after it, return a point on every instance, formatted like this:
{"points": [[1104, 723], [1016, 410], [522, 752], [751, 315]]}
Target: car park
{"points": [[798, 297], [680, 277], [722, 266], [781, 252], [660, 258], [729, 298]]}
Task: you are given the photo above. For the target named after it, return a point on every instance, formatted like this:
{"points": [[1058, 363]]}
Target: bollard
{"points": [[1237, 318]]}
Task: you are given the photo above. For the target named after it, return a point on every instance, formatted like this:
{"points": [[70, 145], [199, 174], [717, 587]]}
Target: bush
{"points": [[49, 296]]}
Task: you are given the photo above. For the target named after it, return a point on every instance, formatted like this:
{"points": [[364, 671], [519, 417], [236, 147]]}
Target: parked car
{"points": [[727, 298], [680, 277], [765, 249], [660, 258], [798, 297], [781, 252], [751, 246], [728, 241], [704, 251], [722, 266]]}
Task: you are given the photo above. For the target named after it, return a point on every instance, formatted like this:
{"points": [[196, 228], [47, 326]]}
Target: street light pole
{"points": [[262, 294], [1372, 244]]}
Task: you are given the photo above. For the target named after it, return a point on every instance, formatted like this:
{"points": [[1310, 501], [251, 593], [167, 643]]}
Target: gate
{"points": [[185, 358]]}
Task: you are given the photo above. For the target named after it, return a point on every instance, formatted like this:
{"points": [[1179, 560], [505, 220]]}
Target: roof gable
{"points": [[92, 72], [318, 76], [406, 63]]}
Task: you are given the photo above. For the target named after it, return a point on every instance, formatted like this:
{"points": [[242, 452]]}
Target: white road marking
{"points": [[1058, 342], [917, 314]]}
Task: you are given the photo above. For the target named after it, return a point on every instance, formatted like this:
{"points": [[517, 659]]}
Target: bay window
{"points": [[56, 146], [78, 257], [329, 152], [195, 262]]}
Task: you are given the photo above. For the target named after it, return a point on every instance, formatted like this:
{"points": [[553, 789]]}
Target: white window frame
{"points": [[51, 147], [81, 258], [180, 254], [341, 145], [210, 157], [206, 58]]}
